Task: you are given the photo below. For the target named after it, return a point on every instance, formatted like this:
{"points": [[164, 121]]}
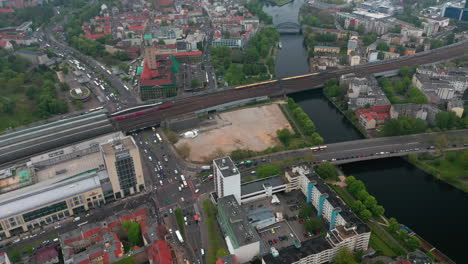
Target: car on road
{"points": [[57, 226], [160, 182], [77, 219], [171, 211], [176, 172], [197, 190], [253, 172], [150, 158], [180, 189]]}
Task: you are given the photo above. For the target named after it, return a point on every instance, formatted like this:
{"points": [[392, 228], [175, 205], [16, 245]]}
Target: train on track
{"points": [[118, 116]]}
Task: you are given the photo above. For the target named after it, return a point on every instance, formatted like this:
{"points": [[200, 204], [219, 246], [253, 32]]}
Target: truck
{"points": [[179, 236]]}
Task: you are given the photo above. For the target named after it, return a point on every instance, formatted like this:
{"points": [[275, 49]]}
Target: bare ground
{"points": [[249, 128]]}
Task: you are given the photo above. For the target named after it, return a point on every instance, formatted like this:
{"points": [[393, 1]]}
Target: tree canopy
{"points": [[326, 170], [267, 170]]}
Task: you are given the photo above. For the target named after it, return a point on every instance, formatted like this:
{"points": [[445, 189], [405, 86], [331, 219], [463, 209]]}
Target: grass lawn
{"points": [[450, 167], [377, 244], [180, 221]]}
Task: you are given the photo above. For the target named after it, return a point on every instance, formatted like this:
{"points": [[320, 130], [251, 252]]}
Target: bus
{"points": [[96, 83], [182, 177], [318, 148], [102, 87], [179, 236], [159, 137]]}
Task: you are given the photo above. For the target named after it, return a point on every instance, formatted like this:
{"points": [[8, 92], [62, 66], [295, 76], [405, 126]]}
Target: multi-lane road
{"points": [[127, 98]]}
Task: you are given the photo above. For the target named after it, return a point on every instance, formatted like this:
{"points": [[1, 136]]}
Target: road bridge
{"points": [[280, 87], [377, 148], [289, 28]]}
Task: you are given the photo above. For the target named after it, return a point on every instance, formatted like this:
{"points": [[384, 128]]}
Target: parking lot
{"points": [[279, 235], [282, 233]]}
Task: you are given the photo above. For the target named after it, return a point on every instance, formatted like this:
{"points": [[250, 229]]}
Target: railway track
{"points": [[283, 87]]}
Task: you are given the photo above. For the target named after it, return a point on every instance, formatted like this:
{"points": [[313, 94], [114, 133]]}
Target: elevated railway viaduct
{"points": [[24, 143], [284, 86]]}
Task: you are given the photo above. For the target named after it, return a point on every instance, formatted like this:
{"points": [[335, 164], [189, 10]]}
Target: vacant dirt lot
{"points": [[249, 128]]}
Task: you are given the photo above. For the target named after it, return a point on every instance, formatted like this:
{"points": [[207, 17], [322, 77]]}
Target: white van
{"points": [[77, 219], [202, 251]]}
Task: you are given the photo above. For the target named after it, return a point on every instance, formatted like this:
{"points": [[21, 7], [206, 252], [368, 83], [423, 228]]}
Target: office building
{"points": [[226, 178], [122, 159], [69, 181], [241, 238], [343, 228]]}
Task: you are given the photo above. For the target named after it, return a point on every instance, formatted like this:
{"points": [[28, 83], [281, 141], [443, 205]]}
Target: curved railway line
{"points": [[283, 86]]}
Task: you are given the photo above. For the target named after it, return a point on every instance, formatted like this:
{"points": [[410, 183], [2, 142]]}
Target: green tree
{"points": [[393, 226], [381, 55], [378, 210], [195, 82], [267, 170], [285, 136], [326, 170], [312, 224], [413, 243], [357, 207], [350, 179], [344, 256], [362, 195], [369, 39], [365, 215], [383, 46], [161, 42], [356, 187], [306, 211], [133, 232], [370, 202]]}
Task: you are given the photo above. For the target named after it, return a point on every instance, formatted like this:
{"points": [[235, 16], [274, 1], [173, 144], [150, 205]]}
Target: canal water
{"points": [[432, 208]]}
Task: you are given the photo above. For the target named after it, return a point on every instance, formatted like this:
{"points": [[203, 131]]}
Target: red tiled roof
{"points": [[159, 253], [86, 261], [6, 10], [118, 252], [368, 116], [91, 232], [113, 224], [46, 254], [3, 43], [96, 255], [106, 258], [190, 53]]}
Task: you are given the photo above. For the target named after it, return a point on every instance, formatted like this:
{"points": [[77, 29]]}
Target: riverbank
{"points": [[450, 167], [348, 116]]}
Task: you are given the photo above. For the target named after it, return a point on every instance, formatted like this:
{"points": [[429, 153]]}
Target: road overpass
{"points": [[283, 86]]}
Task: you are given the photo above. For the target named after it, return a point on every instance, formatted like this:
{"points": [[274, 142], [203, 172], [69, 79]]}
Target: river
{"points": [[432, 208]]}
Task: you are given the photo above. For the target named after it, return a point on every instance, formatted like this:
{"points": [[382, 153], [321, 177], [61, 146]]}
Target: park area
{"points": [[251, 128]]}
